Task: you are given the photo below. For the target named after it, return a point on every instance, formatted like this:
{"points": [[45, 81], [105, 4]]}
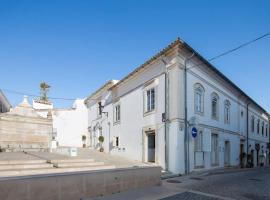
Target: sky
{"points": [[76, 46]]}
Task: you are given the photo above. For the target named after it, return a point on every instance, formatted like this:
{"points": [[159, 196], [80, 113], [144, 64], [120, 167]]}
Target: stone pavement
{"points": [[240, 184]]}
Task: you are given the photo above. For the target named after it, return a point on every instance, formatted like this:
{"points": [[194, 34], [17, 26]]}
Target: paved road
{"points": [[250, 184]]}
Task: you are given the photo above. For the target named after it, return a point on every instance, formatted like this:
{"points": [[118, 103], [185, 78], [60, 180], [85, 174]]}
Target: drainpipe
{"points": [[186, 136], [166, 100], [247, 127]]}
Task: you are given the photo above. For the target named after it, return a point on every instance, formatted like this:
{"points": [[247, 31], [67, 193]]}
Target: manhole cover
{"points": [[196, 178], [173, 181]]}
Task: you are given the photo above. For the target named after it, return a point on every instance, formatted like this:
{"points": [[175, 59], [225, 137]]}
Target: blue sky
{"points": [[76, 46]]}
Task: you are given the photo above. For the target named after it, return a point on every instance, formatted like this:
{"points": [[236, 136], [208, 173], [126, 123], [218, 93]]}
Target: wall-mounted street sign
{"points": [[194, 132]]}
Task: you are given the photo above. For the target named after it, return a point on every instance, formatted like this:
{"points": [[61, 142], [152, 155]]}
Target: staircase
{"points": [[30, 164]]}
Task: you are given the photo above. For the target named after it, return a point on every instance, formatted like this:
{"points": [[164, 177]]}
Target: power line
{"points": [[209, 60], [234, 49], [33, 95]]}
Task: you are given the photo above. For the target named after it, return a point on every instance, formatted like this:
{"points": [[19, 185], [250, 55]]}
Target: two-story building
{"points": [[178, 111]]}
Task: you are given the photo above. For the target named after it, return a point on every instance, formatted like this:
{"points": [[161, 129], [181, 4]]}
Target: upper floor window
{"points": [[258, 126], [150, 100], [214, 105], [117, 113], [198, 98], [266, 130], [99, 109], [262, 128], [227, 111], [252, 123]]}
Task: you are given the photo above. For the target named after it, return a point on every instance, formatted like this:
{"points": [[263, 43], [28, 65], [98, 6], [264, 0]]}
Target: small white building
{"points": [[5, 105], [143, 116], [69, 125]]}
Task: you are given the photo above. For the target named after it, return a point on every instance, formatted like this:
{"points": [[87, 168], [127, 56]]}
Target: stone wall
{"points": [[79, 185], [22, 128]]}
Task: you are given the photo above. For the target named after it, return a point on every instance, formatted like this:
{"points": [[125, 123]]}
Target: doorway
{"points": [[214, 149], [227, 153], [151, 146]]}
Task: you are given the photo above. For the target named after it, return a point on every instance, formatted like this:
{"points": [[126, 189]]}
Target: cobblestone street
{"points": [[245, 184]]}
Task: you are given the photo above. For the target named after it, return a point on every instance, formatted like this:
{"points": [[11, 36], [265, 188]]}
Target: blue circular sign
{"points": [[194, 132]]}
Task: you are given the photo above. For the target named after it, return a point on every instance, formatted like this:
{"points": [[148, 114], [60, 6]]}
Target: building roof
{"points": [[107, 85], [177, 42]]}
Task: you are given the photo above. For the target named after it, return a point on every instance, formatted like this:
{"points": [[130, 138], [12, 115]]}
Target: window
{"points": [[262, 128], [198, 142], [199, 98], [150, 100], [117, 141], [117, 113], [266, 130], [227, 107], [252, 124], [214, 105], [99, 109], [1, 108], [258, 126]]}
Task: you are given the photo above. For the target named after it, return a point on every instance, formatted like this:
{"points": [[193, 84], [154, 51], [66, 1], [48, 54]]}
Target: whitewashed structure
{"points": [[5, 105], [69, 125], [22, 128], [143, 115]]}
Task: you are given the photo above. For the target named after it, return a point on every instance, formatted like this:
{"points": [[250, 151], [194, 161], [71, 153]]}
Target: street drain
{"points": [[173, 181], [196, 178], [254, 179]]}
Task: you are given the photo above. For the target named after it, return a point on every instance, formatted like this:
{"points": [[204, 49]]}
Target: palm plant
{"points": [[44, 89]]}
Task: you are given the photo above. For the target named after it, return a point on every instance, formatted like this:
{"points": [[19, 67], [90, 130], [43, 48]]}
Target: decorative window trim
{"points": [[151, 108], [199, 89], [117, 113], [214, 96], [227, 111]]}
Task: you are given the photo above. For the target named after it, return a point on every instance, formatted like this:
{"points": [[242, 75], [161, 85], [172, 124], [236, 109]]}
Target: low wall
{"points": [[79, 185]]}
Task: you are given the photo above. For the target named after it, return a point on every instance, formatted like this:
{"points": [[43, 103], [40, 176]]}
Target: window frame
{"points": [[117, 113], [252, 124], [227, 112], [199, 90], [214, 96], [151, 99]]}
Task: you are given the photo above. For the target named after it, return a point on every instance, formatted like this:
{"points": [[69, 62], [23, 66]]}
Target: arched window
{"points": [[252, 124], [227, 111], [198, 98], [214, 105], [258, 126]]}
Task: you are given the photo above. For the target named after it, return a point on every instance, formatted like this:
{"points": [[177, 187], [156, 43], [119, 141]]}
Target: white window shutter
{"points": [[207, 140]]}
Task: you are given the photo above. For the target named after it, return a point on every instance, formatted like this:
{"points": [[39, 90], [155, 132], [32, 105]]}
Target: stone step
{"points": [[9, 173], [21, 162], [71, 160], [25, 166], [77, 164]]}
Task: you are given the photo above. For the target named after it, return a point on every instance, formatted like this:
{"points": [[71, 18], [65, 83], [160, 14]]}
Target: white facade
{"points": [[5, 106], [144, 115], [69, 125]]}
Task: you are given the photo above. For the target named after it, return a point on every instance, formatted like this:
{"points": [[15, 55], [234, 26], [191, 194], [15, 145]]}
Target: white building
{"points": [[143, 115], [5, 105], [69, 125]]}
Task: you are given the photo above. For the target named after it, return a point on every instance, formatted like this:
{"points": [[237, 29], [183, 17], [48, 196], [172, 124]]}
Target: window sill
{"points": [[149, 113], [116, 123]]}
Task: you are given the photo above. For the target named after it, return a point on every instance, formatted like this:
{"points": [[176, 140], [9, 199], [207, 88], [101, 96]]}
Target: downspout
{"points": [[247, 127], [166, 100], [186, 136]]}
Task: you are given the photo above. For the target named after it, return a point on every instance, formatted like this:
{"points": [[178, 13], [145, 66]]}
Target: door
{"points": [[151, 147], [227, 153], [214, 149]]}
